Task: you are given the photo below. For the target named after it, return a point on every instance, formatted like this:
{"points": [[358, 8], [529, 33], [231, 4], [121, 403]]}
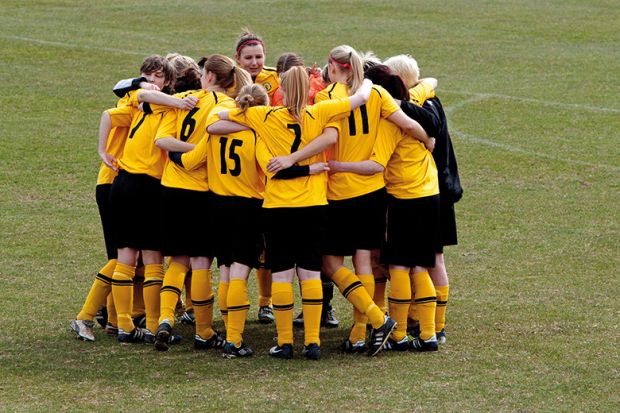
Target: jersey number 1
{"points": [[234, 143], [297, 131], [352, 128]]}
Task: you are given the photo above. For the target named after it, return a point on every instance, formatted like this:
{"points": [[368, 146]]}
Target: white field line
{"points": [[74, 46]]}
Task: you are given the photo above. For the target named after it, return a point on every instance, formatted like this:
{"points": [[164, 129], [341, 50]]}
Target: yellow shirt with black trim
{"points": [[140, 155], [269, 79], [410, 170], [188, 126], [230, 160], [281, 134], [115, 144], [420, 92], [358, 133]]}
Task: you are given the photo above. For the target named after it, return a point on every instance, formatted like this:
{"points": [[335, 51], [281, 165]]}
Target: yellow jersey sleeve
{"points": [[268, 78], [197, 157], [168, 126], [420, 92], [388, 136]]}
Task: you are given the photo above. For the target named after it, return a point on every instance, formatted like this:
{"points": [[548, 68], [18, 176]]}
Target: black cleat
{"points": [[135, 336], [378, 336], [417, 344], [162, 336], [215, 341], [231, 351], [312, 351], [285, 351]]}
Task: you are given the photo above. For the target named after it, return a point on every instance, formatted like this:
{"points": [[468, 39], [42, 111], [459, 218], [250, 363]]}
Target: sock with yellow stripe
{"points": [[153, 279], [399, 299], [311, 305], [379, 295], [112, 316], [442, 303], [426, 299], [263, 276], [202, 291], [171, 290], [98, 292], [222, 301], [413, 308], [138, 308], [353, 290], [282, 296], [188, 291], [238, 306], [122, 290], [358, 332]]}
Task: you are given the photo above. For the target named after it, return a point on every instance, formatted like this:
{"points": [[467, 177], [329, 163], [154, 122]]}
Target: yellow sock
{"points": [[138, 293], [98, 292], [153, 279], [426, 299], [358, 332], [442, 303], [351, 287], [282, 295], [171, 290], [311, 304], [379, 295], [202, 291], [112, 316], [399, 299], [122, 290], [188, 291], [222, 301], [238, 305], [413, 307], [263, 276]]}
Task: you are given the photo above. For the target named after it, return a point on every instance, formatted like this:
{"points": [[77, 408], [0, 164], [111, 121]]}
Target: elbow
{"points": [[377, 168]]}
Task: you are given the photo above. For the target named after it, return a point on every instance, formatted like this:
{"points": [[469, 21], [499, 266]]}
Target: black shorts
{"points": [[136, 211], [237, 230], [293, 237], [447, 220], [185, 223], [102, 195], [413, 236], [355, 224]]}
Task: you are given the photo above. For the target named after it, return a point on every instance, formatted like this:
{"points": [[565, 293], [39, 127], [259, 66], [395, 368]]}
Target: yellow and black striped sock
{"points": [[311, 304], [426, 299], [153, 279], [112, 316], [282, 295], [353, 290], [222, 301], [442, 304], [171, 290], [238, 306], [379, 295], [188, 292], [263, 276], [202, 291], [413, 307], [358, 332], [122, 290], [138, 308], [399, 299], [101, 288]]}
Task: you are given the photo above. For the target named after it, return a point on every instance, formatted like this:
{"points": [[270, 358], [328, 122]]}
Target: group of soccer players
{"points": [[286, 171]]}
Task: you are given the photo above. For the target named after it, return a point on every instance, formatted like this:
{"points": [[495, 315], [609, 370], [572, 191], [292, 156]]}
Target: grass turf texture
{"points": [[531, 91]]}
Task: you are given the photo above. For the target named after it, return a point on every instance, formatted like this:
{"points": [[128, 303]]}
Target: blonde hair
{"points": [[227, 75], [295, 85], [347, 60], [406, 67], [369, 59], [252, 95]]}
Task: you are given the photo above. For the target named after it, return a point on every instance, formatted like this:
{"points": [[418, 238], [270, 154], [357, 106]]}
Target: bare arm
{"points": [[361, 95], [317, 145], [366, 167], [430, 80], [105, 126], [171, 144], [160, 98], [412, 128]]}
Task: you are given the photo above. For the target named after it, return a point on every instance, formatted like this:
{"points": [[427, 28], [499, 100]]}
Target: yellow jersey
{"points": [[188, 126], [269, 79], [410, 170], [420, 92], [281, 134], [115, 145], [230, 160], [358, 134]]}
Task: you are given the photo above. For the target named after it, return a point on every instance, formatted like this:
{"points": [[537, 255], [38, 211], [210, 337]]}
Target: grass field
{"points": [[531, 89]]}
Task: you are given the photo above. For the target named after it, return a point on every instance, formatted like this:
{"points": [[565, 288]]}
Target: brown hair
{"points": [[156, 63], [295, 85], [288, 60], [248, 38], [252, 95], [349, 61], [383, 76], [227, 74], [187, 72]]}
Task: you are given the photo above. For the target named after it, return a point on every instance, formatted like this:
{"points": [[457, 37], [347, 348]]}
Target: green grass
{"points": [[532, 96]]}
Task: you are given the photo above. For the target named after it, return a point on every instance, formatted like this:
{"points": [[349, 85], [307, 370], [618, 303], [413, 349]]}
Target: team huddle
{"points": [[284, 170]]}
